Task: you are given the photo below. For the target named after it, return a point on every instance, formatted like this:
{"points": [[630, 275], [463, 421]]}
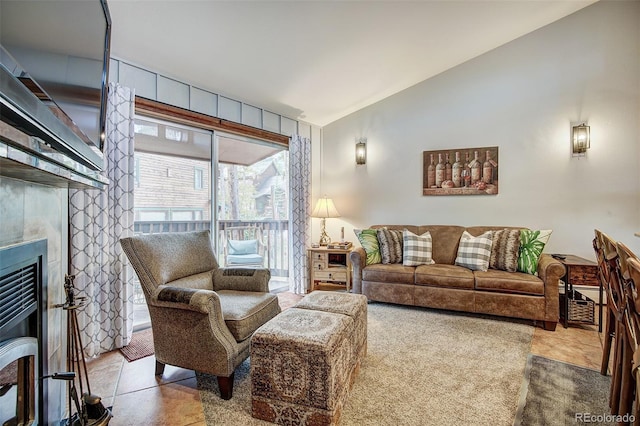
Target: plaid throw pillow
{"points": [[417, 249], [474, 252], [390, 245]]}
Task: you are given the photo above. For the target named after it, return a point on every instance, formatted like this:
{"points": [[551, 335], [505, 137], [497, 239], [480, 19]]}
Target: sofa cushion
{"points": [[509, 282], [393, 273], [245, 311], [531, 245], [474, 252], [445, 241], [444, 276], [504, 250], [416, 249], [369, 241], [390, 241]]}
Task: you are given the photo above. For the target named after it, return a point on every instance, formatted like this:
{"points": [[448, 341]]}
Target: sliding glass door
{"points": [[172, 185], [178, 167], [252, 201]]}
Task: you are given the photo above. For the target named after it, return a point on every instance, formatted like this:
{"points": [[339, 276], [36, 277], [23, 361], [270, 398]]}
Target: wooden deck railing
{"points": [[275, 232]]}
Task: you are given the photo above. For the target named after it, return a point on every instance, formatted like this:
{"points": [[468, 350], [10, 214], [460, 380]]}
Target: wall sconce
{"points": [[361, 150], [580, 139], [324, 209]]}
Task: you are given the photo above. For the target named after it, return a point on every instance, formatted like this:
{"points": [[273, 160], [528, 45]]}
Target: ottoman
{"points": [[302, 363], [353, 305]]}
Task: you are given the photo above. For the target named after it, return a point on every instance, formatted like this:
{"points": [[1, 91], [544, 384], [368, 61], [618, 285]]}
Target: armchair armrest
{"points": [[358, 261], [195, 312], [202, 301], [242, 279]]}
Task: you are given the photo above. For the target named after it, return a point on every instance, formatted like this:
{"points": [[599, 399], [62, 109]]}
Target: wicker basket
{"points": [[581, 308]]}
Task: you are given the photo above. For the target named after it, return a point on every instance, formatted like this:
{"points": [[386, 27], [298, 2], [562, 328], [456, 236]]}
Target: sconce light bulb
{"points": [[361, 151]]}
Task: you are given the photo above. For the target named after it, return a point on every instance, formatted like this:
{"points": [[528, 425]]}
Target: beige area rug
{"points": [[423, 367]]}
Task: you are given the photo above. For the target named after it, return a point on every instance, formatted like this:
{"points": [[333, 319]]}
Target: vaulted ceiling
{"points": [[317, 61]]}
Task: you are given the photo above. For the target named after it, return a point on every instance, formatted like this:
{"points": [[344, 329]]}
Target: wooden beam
{"points": [[164, 111]]}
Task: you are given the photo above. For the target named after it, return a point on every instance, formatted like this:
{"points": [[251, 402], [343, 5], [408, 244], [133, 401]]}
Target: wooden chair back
{"points": [[603, 269], [615, 293]]}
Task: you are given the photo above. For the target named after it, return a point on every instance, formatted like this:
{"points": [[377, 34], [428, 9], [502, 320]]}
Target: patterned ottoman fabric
{"points": [[353, 305], [302, 366]]}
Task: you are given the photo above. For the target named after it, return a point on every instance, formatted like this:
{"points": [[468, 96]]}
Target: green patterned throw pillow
{"points": [[531, 245], [369, 240]]}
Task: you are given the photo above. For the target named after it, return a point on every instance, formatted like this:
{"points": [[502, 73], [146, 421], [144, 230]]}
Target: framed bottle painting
{"points": [[461, 171]]}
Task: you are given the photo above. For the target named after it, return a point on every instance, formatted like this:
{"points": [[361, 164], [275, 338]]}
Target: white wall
{"points": [[521, 97]]}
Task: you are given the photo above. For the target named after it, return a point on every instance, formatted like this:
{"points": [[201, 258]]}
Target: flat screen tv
{"points": [[59, 51]]}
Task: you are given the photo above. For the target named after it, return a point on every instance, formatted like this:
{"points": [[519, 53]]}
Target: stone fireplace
{"points": [[32, 214]]}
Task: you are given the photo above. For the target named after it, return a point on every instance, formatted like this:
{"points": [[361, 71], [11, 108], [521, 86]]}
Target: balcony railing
{"points": [[275, 233]]}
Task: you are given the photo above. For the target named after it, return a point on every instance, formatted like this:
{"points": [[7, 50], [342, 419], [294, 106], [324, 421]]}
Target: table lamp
{"points": [[324, 209]]}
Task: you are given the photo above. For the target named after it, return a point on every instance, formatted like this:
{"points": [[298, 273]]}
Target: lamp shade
{"points": [[325, 208]]}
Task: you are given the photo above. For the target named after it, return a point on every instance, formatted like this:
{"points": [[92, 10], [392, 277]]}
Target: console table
{"points": [[580, 271]]}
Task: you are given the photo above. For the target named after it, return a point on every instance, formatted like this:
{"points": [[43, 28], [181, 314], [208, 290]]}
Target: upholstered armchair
{"points": [[202, 315]]}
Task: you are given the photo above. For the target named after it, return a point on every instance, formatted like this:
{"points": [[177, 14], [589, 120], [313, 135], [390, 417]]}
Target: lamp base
{"points": [[324, 237]]}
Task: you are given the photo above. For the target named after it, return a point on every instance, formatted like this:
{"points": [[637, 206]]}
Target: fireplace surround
{"points": [[24, 333]]}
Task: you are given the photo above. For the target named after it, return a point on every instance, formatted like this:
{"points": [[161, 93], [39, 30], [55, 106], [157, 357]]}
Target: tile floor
{"points": [[140, 398]]}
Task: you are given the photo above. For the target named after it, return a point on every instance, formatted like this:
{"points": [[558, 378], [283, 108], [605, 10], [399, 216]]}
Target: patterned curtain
{"points": [[299, 211], [97, 221]]}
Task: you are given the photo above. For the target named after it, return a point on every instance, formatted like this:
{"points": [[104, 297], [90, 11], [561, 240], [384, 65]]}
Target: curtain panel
{"points": [[97, 221], [299, 211]]}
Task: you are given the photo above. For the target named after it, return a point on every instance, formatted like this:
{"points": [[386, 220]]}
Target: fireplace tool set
{"points": [[89, 410]]}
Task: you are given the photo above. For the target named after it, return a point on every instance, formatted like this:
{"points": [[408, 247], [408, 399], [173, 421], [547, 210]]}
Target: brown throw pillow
{"points": [[390, 245], [504, 251]]}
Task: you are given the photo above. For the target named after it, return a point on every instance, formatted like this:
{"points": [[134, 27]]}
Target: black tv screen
{"points": [[61, 53]]}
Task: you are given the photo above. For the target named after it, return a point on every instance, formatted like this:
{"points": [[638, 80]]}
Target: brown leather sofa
{"points": [[444, 285]]}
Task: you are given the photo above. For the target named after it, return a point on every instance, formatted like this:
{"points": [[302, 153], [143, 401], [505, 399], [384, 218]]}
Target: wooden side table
{"points": [[329, 268], [580, 271]]}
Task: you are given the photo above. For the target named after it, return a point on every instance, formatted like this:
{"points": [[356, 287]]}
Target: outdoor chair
{"points": [[202, 316], [244, 246]]}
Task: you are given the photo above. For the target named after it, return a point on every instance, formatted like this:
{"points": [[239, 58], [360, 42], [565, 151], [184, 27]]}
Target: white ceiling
{"points": [[317, 61]]}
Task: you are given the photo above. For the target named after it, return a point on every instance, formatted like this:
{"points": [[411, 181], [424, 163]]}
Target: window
{"points": [[144, 128], [152, 215], [198, 178], [177, 135]]}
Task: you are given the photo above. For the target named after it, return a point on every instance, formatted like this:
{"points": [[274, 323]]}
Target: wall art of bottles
{"points": [[460, 171]]}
